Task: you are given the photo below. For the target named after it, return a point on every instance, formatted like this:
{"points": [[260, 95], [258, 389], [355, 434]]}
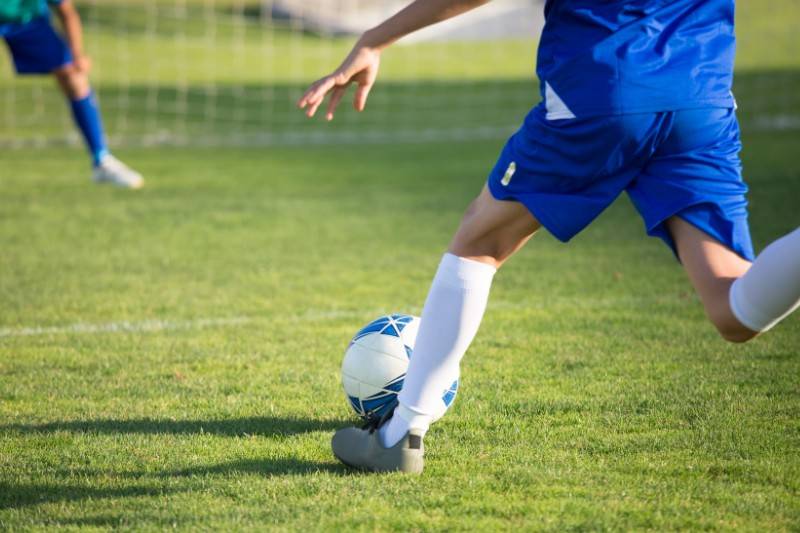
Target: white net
{"points": [[217, 72]]}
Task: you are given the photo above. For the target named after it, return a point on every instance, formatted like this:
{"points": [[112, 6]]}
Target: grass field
{"points": [[170, 358], [185, 367]]}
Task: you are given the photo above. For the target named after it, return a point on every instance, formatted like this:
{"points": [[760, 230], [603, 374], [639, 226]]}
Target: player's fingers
{"points": [[362, 93], [303, 101], [316, 92], [336, 97], [306, 98], [312, 108], [314, 101]]}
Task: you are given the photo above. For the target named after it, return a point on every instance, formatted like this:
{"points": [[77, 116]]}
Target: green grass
{"points": [[595, 397], [170, 358]]}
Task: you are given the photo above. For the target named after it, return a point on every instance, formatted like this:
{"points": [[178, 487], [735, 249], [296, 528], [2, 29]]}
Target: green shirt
{"points": [[24, 11]]}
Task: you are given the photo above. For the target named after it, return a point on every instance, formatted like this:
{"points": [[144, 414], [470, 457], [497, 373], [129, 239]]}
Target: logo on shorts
{"points": [[512, 168]]}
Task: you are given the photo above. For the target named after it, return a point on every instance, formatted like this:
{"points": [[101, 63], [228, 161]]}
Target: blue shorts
{"points": [[36, 47], [684, 163]]}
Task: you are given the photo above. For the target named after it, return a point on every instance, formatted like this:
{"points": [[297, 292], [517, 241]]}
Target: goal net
{"points": [[227, 72]]}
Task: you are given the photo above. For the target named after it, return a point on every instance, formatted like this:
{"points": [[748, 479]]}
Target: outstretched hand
{"points": [[360, 67]]}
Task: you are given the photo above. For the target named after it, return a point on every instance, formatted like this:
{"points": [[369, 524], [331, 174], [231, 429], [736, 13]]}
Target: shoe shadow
{"points": [[263, 426], [266, 467]]}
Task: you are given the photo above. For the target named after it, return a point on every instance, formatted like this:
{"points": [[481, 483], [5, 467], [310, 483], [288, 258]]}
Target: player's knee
{"points": [[73, 82], [485, 247], [491, 231]]}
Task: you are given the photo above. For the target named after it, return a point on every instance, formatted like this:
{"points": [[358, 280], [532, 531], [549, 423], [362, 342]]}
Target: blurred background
{"points": [[227, 72]]}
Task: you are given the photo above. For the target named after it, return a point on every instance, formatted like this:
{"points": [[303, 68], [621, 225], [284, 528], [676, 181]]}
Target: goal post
{"points": [[227, 72]]}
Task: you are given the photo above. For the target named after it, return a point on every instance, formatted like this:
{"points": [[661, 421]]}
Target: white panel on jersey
{"points": [[556, 108]]}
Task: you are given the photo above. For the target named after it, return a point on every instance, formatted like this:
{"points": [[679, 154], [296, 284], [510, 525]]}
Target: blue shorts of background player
{"points": [[679, 163], [36, 48]]}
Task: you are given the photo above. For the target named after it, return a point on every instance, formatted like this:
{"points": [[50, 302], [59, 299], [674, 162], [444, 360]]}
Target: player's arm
{"points": [[361, 65], [73, 31]]}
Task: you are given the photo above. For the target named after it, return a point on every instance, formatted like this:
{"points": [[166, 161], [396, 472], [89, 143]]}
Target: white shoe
{"points": [[112, 170]]}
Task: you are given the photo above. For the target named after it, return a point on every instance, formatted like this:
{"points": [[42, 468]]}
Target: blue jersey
{"points": [[611, 57], [16, 14]]}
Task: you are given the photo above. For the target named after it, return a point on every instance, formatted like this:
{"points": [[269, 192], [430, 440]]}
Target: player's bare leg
{"points": [[712, 268], [766, 291], [73, 82], [491, 231]]}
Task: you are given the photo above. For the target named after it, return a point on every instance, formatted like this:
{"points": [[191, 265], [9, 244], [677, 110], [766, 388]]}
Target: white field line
{"points": [[147, 326], [124, 327], [768, 123], [780, 122]]}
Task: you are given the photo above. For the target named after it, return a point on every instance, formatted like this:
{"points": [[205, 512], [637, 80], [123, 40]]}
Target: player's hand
{"points": [[82, 63], [360, 67]]}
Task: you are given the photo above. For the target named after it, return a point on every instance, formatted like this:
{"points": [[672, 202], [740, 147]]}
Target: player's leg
{"points": [[75, 85], [741, 299], [490, 232], [37, 49], [561, 181], [712, 268], [691, 194]]}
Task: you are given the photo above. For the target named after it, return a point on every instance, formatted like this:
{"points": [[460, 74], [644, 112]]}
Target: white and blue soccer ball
{"points": [[375, 365]]}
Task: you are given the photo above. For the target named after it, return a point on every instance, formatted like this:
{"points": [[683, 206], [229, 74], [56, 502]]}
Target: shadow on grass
{"points": [[26, 494], [153, 484], [263, 426], [164, 482], [264, 467]]}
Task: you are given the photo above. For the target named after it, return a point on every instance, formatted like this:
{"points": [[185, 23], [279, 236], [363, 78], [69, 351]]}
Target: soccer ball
{"points": [[375, 365]]}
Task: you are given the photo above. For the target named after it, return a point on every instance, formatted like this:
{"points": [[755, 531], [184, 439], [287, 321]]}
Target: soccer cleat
{"points": [[361, 448], [112, 170]]}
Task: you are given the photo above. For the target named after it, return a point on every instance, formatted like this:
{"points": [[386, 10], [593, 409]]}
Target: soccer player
{"points": [[38, 49], [636, 97]]}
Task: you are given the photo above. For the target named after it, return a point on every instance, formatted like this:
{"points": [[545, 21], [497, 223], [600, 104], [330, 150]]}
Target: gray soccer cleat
{"points": [[112, 170], [361, 448]]}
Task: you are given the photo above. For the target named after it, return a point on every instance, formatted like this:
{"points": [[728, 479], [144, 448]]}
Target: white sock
{"points": [[450, 319], [770, 290], [403, 420]]}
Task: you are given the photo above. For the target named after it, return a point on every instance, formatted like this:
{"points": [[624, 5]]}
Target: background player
{"points": [[36, 48], [636, 98]]}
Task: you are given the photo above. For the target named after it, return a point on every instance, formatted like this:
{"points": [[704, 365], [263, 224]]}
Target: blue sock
{"points": [[87, 118]]}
